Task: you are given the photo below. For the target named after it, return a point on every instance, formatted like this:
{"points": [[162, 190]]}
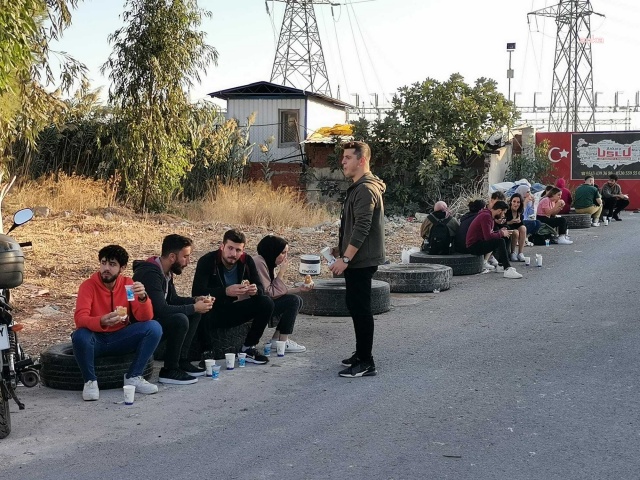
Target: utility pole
{"points": [[572, 86], [299, 60], [510, 48]]}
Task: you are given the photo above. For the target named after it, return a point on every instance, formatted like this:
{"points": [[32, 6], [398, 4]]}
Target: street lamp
{"points": [[510, 48], [535, 95]]}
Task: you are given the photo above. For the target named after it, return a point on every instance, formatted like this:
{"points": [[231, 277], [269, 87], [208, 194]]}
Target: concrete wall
{"points": [[498, 163]]}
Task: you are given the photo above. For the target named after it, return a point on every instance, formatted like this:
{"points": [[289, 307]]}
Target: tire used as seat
{"points": [[415, 277], [461, 263], [328, 298], [60, 369]]}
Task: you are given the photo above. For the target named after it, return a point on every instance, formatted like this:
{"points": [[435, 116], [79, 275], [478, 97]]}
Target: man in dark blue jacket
{"points": [[179, 316], [230, 275]]}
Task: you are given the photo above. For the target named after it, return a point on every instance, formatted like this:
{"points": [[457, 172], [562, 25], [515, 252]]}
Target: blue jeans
{"points": [[532, 226], [140, 337]]}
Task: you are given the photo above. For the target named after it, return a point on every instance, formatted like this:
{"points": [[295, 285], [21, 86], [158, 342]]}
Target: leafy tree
{"points": [[535, 168], [431, 136], [26, 29], [156, 56]]}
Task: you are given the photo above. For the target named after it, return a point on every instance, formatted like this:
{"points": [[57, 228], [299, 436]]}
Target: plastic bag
{"points": [[406, 254]]}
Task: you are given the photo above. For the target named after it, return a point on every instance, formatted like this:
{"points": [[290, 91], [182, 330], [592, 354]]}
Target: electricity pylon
{"points": [[299, 61], [572, 86]]}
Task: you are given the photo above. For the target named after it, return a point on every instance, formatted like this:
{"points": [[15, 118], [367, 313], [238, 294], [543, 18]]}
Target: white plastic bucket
{"points": [[309, 265]]}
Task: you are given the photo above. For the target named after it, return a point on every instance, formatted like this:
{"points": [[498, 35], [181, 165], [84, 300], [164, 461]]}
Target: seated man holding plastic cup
{"points": [[481, 239], [104, 310], [179, 316], [231, 276]]}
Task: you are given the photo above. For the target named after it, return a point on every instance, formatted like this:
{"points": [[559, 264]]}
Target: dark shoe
{"points": [[347, 362], [617, 218], [191, 369], [254, 357], [360, 369], [175, 376]]}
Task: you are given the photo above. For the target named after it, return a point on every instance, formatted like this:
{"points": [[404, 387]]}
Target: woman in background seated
{"points": [[515, 222], [528, 213], [272, 253], [548, 208], [566, 195]]}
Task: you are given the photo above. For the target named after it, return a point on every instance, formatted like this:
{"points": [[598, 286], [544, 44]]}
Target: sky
{"points": [[377, 46]]}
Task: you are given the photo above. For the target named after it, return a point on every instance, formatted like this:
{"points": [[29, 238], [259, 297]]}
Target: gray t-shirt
{"points": [[231, 276]]}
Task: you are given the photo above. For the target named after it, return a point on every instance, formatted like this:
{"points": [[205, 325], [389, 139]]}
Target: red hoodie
{"points": [[481, 228], [566, 195], [95, 300]]}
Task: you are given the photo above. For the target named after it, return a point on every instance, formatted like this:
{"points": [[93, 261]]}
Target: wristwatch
{"points": [[346, 259]]}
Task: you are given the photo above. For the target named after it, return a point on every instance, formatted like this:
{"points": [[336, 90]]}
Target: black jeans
{"points": [[256, 309], [556, 222], [358, 296], [614, 206], [178, 329], [286, 308], [496, 245]]}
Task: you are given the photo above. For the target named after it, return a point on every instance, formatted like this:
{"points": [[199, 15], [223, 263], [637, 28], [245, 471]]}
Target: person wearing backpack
{"points": [[438, 230]]}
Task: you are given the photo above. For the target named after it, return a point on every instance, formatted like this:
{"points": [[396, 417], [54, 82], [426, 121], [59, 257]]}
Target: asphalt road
{"points": [[494, 379]]}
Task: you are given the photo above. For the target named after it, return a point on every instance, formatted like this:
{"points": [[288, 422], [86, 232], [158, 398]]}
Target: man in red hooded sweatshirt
{"points": [[566, 196], [103, 323]]}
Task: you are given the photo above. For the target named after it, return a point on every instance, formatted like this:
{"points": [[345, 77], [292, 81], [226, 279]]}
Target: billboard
{"points": [[599, 154]]}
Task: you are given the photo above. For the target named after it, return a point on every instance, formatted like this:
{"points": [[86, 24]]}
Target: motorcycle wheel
{"points": [[5, 414]]}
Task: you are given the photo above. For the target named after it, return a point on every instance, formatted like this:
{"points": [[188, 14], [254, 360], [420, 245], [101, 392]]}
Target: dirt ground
{"points": [[65, 248]]}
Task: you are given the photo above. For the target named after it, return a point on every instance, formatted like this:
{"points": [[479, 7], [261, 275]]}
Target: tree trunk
{"points": [[4, 189]]}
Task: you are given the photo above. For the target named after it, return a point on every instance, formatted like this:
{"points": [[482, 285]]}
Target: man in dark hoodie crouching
{"points": [[179, 316]]}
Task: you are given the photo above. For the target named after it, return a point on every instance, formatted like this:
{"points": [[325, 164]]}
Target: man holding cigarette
{"points": [[103, 323]]}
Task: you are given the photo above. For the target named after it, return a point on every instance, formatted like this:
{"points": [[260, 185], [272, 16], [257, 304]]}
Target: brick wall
{"points": [[284, 174]]}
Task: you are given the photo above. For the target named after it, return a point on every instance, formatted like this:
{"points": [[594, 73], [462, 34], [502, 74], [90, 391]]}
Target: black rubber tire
{"points": [[328, 298], [460, 263], [5, 414], [223, 340], [60, 369], [577, 220], [415, 277]]}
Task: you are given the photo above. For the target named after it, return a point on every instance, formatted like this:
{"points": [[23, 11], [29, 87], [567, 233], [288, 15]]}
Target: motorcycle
{"points": [[15, 365]]}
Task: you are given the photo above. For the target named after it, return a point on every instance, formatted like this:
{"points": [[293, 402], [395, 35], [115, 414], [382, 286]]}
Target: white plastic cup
{"points": [[215, 372], [326, 253], [547, 242], [230, 358], [129, 394], [242, 358], [527, 261], [538, 260], [130, 295], [267, 349], [280, 348], [208, 366]]}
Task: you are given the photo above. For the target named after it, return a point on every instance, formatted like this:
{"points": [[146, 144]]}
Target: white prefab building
{"points": [[287, 114]]}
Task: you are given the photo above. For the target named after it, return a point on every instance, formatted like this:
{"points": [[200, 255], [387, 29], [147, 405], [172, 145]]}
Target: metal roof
{"points": [[271, 90]]}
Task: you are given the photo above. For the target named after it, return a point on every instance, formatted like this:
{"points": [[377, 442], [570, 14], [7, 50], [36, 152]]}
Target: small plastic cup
{"points": [[215, 372], [230, 358], [129, 394], [527, 261], [546, 242], [267, 349], [130, 295], [208, 366], [242, 358], [280, 348]]}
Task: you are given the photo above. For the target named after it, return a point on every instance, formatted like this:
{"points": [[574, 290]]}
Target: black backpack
{"points": [[439, 236]]}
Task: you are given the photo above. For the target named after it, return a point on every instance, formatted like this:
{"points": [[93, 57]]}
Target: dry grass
{"points": [[71, 193], [256, 204]]}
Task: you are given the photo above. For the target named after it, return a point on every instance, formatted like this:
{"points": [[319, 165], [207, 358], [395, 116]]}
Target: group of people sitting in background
{"points": [[500, 230], [116, 314]]}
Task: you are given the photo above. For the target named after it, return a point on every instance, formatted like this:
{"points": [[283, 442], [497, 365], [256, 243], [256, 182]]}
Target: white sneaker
{"points": [[488, 266], [90, 391], [142, 386], [521, 257], [499, 269], [492, 260], [514, 257], [292, 347], [511, 273], [595, 224], [563, 240]]}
